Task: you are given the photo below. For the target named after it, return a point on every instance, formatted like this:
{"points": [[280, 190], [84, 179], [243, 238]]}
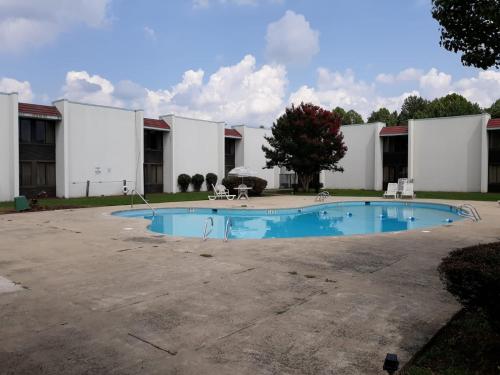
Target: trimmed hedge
{"points": [[183, 181], [211, 179], [472, 275], [197, 180], [257, 184]]}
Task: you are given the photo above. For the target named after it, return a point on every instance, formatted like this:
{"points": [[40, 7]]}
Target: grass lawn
{"points": [[57, 203], [54, 203], [467, 345], [420, 194]]}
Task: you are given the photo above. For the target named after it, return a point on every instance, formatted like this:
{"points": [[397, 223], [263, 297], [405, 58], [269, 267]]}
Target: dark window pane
{"points": [[40, 131], [50, 133], [41, 179], [51, 174], [159, 174], [25, 131], [25, 173]]}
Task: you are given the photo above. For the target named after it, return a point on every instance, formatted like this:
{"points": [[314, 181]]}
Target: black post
{"points": [[88, 189], [124, 184]]}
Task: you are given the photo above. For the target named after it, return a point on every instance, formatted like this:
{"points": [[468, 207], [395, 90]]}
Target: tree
{"points": [[471, 27], [383, 115], [494, 110], [452, 105], [307, 140], [413, 107], [350, 117], [353, 117]]}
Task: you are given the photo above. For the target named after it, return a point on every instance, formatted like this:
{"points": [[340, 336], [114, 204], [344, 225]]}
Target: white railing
{"points": [[135, 192], [227, 230], [469, 211], [321, 197], [207, 230]]}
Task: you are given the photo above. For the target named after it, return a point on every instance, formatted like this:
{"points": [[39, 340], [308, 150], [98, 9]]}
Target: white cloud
{"points": [[409, 74], [345, 90], [435, 83], [207, 3], [31, 24], [150, 32], [9, 85], [83, 87], [291, 40], [240, 93]]}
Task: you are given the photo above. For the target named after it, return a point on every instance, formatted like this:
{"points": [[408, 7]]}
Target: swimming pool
{"points": [[330, 219]]}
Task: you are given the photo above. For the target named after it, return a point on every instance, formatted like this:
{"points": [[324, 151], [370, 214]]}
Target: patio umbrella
{"points": [[242, 172]]}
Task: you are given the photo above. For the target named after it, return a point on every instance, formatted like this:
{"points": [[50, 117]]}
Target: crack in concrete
{"points": [[171, 352]]}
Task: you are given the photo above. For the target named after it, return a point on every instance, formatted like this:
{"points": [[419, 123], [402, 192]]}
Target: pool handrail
{"points": [[227, 230], [135, 192], [207, 232], [469, 211]]}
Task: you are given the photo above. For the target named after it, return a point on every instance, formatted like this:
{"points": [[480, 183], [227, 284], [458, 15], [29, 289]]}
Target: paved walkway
{"points": [[96, 294]]}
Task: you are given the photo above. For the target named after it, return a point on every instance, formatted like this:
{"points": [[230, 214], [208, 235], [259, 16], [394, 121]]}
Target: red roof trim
{"points": [[157, 124], [232, 133], [394, 130], [37, 110], [494, 123]]}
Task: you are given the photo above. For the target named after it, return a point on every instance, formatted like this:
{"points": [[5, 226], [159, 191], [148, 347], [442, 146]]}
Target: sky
{"points": [[238, 61]]}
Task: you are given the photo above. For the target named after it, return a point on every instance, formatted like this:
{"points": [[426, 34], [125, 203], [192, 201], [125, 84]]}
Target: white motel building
{"points": [[74, 149]]}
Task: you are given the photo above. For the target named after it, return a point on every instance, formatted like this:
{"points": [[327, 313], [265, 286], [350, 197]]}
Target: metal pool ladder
{"points": [[469, 211], [227, 230], [135, 192], [208, 229], [321, 197]]}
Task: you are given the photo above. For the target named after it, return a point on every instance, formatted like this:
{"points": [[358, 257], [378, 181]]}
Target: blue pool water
{"points": [[332, 219]]}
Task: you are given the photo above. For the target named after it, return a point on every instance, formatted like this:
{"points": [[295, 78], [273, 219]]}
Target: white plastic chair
{"points": [[392, 190], [408, 190], [220, 192], [401, 184]]}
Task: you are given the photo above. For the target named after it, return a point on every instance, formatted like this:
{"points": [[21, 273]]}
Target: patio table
{"points": [[242, 192]]}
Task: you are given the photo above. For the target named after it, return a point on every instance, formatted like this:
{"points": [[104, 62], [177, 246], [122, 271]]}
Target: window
{"points": [[46, 174], [494, 174], [25, 173], [229, 147], [153, 174], [37, 131], [25, 131], [153, 140]]}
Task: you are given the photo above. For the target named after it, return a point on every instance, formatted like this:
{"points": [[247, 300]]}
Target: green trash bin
{"points": [[21, 203]]}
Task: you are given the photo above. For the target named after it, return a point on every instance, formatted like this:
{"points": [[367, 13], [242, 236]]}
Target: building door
{"points": [[395, 158], [229, 155], [37, 157], [153, 161], [494, 161]]}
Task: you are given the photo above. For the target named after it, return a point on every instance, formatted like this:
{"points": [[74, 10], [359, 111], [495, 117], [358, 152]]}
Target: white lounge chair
{"points": [[392, 190], [221, 192], [401, 184], [408, 191]]}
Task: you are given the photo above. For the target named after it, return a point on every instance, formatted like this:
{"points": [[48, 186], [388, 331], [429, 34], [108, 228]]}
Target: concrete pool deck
{"points": [[98, 294]]}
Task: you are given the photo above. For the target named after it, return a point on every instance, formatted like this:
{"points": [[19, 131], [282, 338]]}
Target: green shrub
{"points": [[472, 275], [197, 180], [257, 184], [183, 181], [211, 179]]}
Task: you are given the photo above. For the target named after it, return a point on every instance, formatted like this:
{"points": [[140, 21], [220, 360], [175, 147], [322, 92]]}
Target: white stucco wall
{"points": [[101, 144], [193, 146], [9, 147], [362, 162], [249, 154], [446, 154]]}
